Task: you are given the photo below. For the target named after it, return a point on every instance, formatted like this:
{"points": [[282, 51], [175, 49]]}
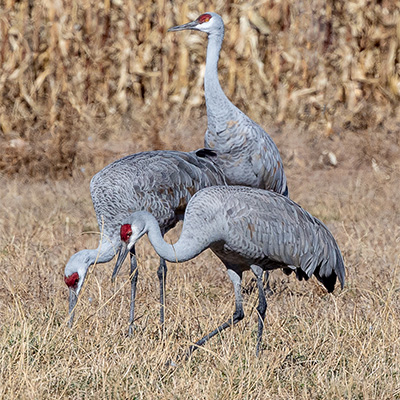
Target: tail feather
{"points": [[327, 272], [328, 281], [339, 269]]}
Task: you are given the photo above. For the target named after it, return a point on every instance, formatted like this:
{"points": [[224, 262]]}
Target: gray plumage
{"points": [[246, 228], [160, 182], [247, 154]]}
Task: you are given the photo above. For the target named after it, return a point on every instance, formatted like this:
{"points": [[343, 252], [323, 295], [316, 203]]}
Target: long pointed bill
{"points": [[189, 25], [73, 298], [123, 252]]}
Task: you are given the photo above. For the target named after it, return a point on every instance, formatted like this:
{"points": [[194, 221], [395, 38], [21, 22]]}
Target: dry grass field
{"points": [[83, 84], [316, 346]]}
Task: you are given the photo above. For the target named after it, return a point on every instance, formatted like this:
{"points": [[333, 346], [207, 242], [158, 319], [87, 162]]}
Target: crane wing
{"points": [[161, 182], [266, 160], [271, 228]]}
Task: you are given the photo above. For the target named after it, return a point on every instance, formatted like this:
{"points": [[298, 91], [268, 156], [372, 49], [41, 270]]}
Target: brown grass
{"points": [[84, 83], [320, 346]]}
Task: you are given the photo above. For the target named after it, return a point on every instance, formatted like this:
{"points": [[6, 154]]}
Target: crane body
{"points": [[160, 182], [248, 229], [246, 153]]}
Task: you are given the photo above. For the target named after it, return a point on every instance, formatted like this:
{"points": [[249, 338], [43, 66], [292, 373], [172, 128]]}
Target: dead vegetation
{"points": [[329, 65], [84, 83], [319, 346]]}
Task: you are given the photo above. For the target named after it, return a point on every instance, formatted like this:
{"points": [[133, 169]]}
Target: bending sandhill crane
{"points": [[247, 154], [246, 228], [161, 182]]}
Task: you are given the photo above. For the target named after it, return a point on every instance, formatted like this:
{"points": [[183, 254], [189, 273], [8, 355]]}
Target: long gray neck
{"points": [[104, 253], [182, 250], [81, 261], [216, 101]]}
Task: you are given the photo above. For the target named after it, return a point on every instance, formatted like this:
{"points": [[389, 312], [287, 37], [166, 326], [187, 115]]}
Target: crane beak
{"points": [[123, 252], [189, 25], [73, 299]]}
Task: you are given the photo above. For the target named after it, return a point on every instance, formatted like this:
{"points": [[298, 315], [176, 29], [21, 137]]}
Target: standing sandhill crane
{"points": [[247, 154], [246, 228], [161, 182]]}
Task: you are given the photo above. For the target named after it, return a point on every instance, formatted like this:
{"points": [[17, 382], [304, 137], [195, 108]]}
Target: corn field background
{"points": [[83, 83], [73, 69]]}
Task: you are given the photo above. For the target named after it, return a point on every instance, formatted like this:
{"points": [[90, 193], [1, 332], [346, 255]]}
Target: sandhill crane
{"points": [[161, 182], [247, 154], [246, 228]]}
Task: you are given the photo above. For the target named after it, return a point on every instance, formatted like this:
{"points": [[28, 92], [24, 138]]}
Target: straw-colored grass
{"points": [[318, 346], [83, 83]]}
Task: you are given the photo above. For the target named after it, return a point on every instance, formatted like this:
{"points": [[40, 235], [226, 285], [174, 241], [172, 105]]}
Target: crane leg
{"points": [[262, 303], [267, 287], [238, 315], [134, 277], [162, 276]]}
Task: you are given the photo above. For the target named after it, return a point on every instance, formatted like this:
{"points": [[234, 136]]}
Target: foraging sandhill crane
{"points": [[247, 154], [161, 182], [246, 228]]}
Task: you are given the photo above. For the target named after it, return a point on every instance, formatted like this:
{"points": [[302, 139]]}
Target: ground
{"points": [[315, 345]]}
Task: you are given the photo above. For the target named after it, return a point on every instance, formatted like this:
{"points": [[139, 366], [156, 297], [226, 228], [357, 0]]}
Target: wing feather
{"points": [[272, 230]]}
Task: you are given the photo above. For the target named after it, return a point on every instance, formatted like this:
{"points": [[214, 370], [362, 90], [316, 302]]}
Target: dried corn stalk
{"points": [[318, 61]]}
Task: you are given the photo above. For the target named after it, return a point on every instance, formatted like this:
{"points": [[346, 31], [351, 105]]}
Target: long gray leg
{"points": [[162, 277], [262, 303], [134, 277], [267, 287], [237, 315]]}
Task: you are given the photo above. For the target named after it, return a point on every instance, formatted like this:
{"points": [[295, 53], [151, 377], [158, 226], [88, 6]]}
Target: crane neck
{"points": [[213, 50], [216, 100], [104, 253], [182, 250], [82, 260]]}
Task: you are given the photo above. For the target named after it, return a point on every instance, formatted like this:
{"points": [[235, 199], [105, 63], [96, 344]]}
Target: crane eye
{"points": [[204, 18]]}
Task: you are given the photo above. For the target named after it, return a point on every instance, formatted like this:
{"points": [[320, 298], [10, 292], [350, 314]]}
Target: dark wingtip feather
{"points": [[300, 275], [286, 192], [329, 282], [337, 273], [205, 152]]}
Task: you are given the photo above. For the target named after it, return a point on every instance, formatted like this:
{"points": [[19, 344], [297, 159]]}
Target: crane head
{"points": [[72, 282], [126, 232], [208, 22], [74, 276], [76, 269], [130, 233]]}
